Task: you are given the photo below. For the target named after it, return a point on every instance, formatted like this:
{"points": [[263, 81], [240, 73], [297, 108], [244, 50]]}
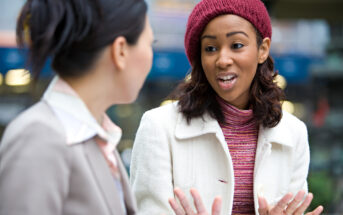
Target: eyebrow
{"points": [[227, 35]]}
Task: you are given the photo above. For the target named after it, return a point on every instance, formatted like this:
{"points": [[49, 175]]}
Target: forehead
{"points": [[227, 23]]}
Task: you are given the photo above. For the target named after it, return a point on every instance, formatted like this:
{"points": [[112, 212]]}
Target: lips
{"points": [[229, 77], [226, 81]]}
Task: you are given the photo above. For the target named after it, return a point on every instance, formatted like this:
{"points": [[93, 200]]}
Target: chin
{"points": [[128, 99]]}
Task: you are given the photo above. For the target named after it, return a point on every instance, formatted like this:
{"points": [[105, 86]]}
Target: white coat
{"points": [[169, 153]]}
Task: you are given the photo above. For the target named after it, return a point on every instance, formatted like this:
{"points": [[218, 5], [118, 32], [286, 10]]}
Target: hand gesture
{"points": [[186, 207], [287, 207]]}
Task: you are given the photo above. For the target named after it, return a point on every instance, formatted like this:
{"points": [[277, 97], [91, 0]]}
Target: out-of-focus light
{"points": [[17, 77], [280, 81], [288, 106], [300, 110], [1, 78], [188, 78], [165, 102]]}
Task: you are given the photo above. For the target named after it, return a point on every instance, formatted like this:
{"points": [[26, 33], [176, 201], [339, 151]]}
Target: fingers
{"points": [[294, 209], [197, 201], [301, 209], [281, 205], [317, 211], [295, 203], [184, 202], [216, 206], [263, 206], [284, 207], [176, 208], [187, 209]]}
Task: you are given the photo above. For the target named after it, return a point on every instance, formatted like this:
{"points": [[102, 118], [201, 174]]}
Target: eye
{"points": [[237, 45], [210, 49]]}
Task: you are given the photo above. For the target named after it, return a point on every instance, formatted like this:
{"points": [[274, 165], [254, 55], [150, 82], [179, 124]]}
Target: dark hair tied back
{"points": [[73, 32]]}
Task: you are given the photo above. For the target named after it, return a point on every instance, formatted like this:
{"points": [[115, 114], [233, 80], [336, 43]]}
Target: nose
{"points": [[224, 59]]}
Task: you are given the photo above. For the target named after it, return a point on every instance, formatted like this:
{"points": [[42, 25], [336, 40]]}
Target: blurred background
{"points": [[307, 46]]}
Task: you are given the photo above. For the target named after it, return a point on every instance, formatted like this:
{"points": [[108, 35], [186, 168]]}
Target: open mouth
{"points": [[227, 81], [227, 78]]}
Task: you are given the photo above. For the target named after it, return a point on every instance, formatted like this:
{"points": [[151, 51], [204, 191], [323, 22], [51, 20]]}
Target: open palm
{"points": [[287, 207], [186, 208]]}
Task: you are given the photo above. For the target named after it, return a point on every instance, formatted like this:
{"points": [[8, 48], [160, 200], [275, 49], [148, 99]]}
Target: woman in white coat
{"points": [[227, 135]]}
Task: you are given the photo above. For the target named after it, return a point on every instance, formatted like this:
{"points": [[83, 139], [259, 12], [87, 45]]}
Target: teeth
{"points": [[228, 77]]}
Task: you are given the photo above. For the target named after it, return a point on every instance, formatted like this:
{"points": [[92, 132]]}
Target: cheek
{"points": [[142, 64], [247, 79], [252, 72], [208, 68], [145, 59], [149, 58], [249, 67]]}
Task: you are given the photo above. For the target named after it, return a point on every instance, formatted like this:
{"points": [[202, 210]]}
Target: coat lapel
{"points": [[103, 177], [130, 201], [200, 126], [197, 127], [280, 134]]}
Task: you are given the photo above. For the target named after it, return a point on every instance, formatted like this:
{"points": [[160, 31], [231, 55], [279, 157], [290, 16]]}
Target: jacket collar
{"points": [[199, 126], [78, 122], [280, 134]]}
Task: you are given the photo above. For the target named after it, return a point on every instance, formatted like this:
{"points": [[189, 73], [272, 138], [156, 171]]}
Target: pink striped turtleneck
{"points": [[241, 132]]}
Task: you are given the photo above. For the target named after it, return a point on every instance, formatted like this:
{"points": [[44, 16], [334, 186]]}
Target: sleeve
{"points": [[301, 162], [34, 171], [151, 167]]}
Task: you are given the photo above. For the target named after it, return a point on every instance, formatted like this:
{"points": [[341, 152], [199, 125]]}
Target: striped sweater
{"points": [[241, 132]]}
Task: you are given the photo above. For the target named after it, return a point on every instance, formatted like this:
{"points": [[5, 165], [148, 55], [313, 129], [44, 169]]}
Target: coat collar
{"points": [[279, 134], [197, 127]]}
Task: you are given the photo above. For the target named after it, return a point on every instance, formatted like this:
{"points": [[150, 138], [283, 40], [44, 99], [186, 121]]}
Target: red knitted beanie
{"points": [[252, 10]]}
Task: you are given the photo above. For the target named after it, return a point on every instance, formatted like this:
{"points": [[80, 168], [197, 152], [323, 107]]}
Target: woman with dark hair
{"points": [[59, 157], [227, 135]]}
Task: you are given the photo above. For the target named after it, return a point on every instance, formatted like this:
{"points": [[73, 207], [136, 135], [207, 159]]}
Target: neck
{"points": [[98, 88], [92, 95], [233, 115]]}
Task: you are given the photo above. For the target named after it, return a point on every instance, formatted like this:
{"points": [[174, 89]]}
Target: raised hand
{"points": [[186, 208], [287, 207]]}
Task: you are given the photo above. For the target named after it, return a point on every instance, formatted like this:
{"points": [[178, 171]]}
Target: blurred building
{"points": [[307, 46]]}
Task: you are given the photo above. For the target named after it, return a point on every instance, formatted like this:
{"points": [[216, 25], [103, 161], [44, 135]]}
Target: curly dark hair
{"points": [[196, 96]]}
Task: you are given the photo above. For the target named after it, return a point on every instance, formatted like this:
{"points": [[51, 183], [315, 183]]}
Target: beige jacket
{"points": [[169, 153], [41, 173]]}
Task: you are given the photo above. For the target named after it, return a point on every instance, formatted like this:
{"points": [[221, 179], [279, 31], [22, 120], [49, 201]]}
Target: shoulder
{"points": [[36, 140], [294, 124], [40, 115], [36, 124], [166, 113], [289, 131], [171, 108], [158, 122]]}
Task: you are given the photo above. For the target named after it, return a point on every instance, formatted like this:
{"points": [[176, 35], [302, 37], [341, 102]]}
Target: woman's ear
{"points": [[119, 50], [263, 50]]}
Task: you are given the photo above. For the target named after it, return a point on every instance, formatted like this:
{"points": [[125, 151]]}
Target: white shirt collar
{"points": [[78, 122]]}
